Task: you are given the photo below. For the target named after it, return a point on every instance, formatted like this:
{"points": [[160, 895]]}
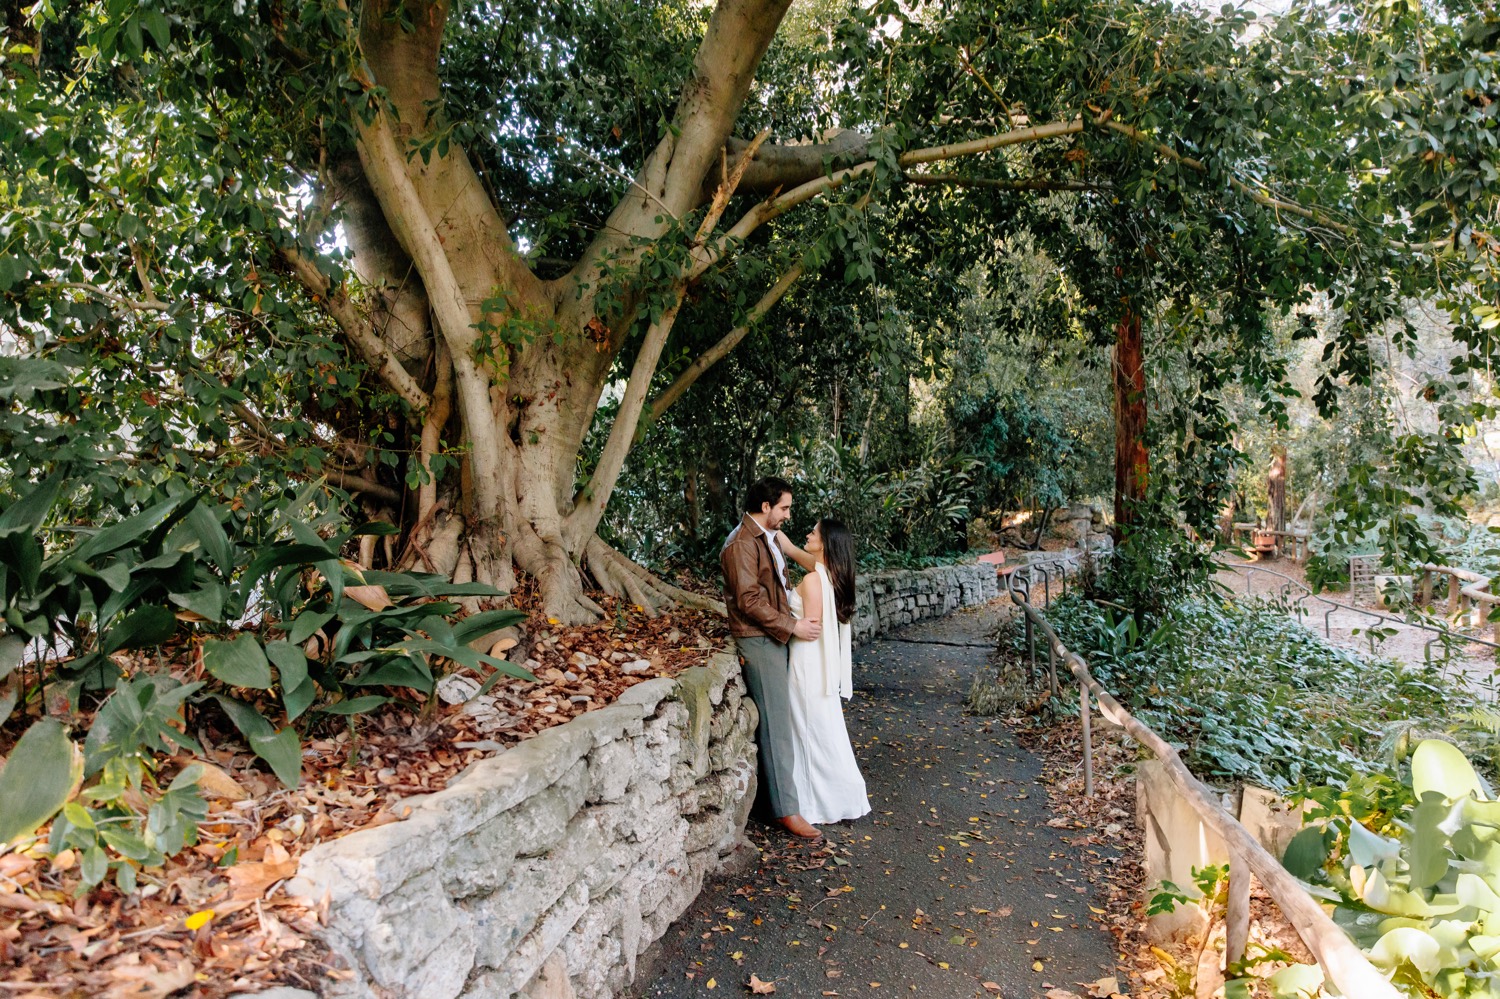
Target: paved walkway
{"points": [[954, 887]]}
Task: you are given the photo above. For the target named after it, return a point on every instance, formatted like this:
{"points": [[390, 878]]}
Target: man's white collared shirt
{"points": [[779, 558]]}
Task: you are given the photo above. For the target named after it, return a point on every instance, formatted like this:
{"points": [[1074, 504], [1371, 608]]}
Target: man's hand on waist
{"points": [[807, 630]]}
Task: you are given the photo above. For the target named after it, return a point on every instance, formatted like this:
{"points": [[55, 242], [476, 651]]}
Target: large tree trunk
{"points": [[431, 250], [505, 369], [1276, 490], [1130, 421]]}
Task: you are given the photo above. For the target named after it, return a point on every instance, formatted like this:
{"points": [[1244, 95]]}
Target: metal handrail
{"points": [[1333, 605], [1344, 964]]}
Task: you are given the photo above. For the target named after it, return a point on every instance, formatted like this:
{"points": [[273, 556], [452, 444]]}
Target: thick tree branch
{"points": [[386, 169], [781, 204], [357, 328], [719, 350], [1023, 184], [593, 496], [782, 166], [432, 429], [119, 301], [671, 178], [351, 483]]}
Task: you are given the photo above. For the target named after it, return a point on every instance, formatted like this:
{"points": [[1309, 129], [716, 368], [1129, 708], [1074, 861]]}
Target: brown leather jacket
{"points": [[754, 592]]}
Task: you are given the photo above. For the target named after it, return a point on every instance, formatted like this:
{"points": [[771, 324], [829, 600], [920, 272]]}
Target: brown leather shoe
{"points": [[798, 826]]}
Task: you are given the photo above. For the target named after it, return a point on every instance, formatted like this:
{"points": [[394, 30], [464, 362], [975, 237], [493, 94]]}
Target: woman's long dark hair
{"points": [[838, 556]]}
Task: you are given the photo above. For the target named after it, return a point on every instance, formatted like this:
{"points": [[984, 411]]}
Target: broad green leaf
{"points": [[12, 648], [279, 556], [355, 706], [1296, 981], [239, 662], [1406, 945], [1427, 846], [207, 601], [398, 671], [307, 624], [299, 699], [1367, 849], [280, 749], [245, 717], [93, 865], [204, 524], [283, 751], [1442, 767], [1305, 854], [130, 530], [1472, 889], [143, 627], [41, 773], [27, 514], [188, 777], [477, 625], [291, 664]]}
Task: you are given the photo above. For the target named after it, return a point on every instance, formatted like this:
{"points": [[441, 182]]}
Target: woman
{"points": [[829, 785]]}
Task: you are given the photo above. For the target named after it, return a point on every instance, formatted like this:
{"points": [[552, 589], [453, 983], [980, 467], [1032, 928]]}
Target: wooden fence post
{"points": [[1237, 918]]}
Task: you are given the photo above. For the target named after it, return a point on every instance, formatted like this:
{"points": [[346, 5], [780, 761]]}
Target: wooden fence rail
{"points": [[1460, 596], [1344, 964]]}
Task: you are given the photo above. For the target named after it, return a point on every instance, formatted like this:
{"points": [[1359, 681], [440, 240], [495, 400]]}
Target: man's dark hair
{"points": [[767, 490]]}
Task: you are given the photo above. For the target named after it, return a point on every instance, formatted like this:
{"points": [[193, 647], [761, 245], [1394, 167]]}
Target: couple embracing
{"points": [[797, 651]]}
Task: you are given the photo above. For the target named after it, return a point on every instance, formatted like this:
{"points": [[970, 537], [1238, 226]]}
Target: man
{"points": [[760, 619]]}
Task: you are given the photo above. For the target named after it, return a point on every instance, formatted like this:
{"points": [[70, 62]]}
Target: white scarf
{"points": [[836, 644]]}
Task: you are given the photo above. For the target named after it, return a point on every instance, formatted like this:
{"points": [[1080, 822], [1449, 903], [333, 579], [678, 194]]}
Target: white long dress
{"points": [[830, 787]]}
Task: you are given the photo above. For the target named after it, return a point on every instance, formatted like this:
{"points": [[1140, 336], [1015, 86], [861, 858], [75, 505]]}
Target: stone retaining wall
{"points": [[889, 600], [548, 870]]}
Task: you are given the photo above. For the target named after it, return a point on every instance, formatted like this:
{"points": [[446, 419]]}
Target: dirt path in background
{"points": [[1350, 628]]}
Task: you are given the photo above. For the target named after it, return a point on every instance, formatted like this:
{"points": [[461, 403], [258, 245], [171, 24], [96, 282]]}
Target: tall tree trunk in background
{"points": [[1276, 490], [1130, 420]]}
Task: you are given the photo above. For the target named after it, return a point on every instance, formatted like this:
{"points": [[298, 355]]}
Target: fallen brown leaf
{"points": [[137, 980], [759, 987], [374, 598]]}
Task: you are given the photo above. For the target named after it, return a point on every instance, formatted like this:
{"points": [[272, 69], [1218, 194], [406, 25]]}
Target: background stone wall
{"points": [[548, 870], [889, 600]]}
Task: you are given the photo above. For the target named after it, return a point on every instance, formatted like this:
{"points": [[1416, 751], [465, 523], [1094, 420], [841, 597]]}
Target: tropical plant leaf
{"points": [[282, 750], [355, 705], [299, 699], [27, 514], [1297, 981], [12, 648], [481, 624], [41, 773], [239, 662], [143, 627], [1305, 854], [1442, 767], [291, 663]]}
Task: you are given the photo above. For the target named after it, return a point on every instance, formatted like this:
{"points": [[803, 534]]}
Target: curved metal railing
{"points": [[1342, 962], [1477, 592]]}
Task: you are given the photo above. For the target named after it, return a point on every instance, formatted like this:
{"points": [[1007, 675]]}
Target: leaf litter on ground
{"points": [[216, 917]]}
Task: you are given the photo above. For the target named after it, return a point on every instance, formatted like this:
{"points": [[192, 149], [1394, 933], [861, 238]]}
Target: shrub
{"points": [[1410, 863], [1249, 694], [330, 639]]}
